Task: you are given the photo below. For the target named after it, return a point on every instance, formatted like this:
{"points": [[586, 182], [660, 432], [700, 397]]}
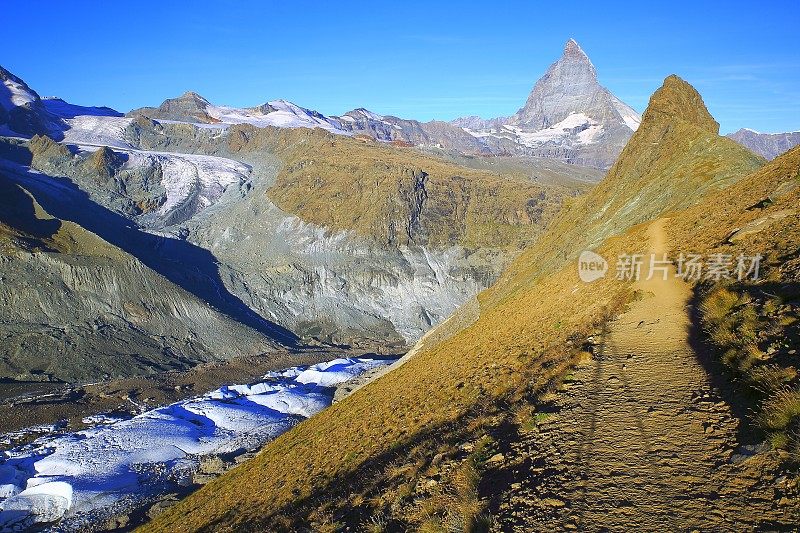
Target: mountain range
{"points": [[188, 234], [568, 117], [216, 200], [767, 145]]}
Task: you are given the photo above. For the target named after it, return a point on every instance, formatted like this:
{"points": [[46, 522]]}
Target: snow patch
{"points": [[123, 461], [629, 116], [40, 504], [576, 128], [17, 95], [283, 114], [98, 131]]}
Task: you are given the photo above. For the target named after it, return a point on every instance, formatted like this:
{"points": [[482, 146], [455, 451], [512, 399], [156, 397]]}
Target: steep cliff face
{"points": [[568, 116], [355, 243], [75, 308], [570, 86]]}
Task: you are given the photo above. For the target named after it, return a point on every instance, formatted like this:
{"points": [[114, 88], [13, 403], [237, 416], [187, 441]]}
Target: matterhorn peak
{"points": [[569, 86], [573, 50]]}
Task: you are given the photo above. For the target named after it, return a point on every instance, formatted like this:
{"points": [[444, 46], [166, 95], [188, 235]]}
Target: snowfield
{"points": [[83, 477], [15, 94], [94, 130], [629, 116], [285, 115], [191, 178], [577, 129]]}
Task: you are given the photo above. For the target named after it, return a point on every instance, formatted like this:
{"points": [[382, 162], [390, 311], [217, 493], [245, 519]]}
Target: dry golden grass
{"points": [[523, 345], [374, 190], [529, 334], [753, 324]]}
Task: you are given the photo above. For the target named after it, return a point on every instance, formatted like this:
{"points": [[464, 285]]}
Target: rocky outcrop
{"points": [[570, 86], [677, 101], [188, 107]]}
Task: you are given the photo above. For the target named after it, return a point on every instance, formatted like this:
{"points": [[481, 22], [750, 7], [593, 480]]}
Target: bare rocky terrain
{"points": [[767, 145]]}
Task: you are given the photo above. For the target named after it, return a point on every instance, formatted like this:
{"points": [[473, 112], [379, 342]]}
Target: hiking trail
{"points": [[641, 440]]}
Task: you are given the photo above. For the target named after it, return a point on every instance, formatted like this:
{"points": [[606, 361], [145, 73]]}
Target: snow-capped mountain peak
{"points": [[16, 93], [567, 113], [573, 50]]}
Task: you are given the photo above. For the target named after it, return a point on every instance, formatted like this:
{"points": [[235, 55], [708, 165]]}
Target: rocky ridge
{"points": [[767, 145]]}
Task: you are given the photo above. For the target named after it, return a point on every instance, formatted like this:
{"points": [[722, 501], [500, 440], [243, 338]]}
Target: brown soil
{"points": [[641, 440]]}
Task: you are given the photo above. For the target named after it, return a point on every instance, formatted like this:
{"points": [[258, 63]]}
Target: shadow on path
{"points": [[742, 406]]}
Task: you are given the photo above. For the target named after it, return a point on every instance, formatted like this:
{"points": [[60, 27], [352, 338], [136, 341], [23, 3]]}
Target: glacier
{"points": [[119, 464]]}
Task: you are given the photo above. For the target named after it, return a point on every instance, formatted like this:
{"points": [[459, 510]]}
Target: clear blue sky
{"points": [[411, 59]]}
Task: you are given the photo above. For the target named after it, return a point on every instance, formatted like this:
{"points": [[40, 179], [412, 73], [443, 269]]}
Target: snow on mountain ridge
{"points": [[18, 95], [567, 110], [627, 113]]}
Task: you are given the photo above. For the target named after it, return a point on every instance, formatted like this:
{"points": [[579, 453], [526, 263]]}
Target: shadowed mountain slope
{"points": [[77, 308]]}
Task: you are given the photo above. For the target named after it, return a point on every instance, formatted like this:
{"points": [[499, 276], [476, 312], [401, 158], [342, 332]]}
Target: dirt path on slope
{"points": [[640, 440]]}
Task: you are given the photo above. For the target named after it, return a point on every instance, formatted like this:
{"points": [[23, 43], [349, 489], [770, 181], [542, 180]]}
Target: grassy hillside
{"points": [[399, 195], [754, 325], [674, 159], [360, 459], [516, 349]]}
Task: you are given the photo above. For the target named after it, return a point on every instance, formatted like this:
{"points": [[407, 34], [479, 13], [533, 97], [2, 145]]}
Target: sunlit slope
{"points": [[523, 339], [674, 159], [520, 343], [399, 196]]}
